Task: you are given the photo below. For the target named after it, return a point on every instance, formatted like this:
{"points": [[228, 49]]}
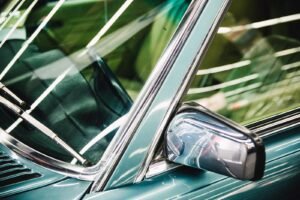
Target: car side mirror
{"points": [[199, 138]]}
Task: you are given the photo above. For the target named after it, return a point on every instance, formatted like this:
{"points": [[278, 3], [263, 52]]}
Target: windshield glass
{"points": [[70, 70]]}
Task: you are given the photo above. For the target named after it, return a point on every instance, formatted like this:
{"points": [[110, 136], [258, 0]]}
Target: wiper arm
{"points": [[44, 129], [11, 95]]}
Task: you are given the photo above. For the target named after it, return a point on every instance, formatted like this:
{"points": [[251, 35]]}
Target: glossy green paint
{"points": [[136, 152], [281, 179], [67, 189]]}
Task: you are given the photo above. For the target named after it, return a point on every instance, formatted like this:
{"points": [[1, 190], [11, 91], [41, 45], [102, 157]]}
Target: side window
{"points": [[251, 70]]}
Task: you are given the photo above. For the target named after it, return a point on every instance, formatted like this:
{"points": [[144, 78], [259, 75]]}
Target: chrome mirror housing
{"points": [[199, 138]]}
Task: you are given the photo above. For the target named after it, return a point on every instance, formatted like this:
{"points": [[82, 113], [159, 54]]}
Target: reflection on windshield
{"points": [[78, 65]]}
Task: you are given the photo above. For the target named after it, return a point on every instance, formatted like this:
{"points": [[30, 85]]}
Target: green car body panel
{"points": [[282, 171], [66, 189]]}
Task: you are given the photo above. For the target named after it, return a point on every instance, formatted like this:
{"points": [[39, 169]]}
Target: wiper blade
{"points": [[44, 129]]}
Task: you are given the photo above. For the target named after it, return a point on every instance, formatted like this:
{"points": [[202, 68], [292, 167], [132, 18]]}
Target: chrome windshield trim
{"points": [[41, 127], [58, 166], [146, 96], [183, 88]]}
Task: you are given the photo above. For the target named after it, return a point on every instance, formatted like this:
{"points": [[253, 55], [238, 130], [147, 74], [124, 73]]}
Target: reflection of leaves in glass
{"points": [[269, 66], [255, 69]]}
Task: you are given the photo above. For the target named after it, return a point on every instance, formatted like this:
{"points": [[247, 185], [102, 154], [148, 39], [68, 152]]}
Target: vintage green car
{"points": [[149, 99]]}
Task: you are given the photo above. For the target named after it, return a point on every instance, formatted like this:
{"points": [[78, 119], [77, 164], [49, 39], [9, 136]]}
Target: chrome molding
{"points": [[40, 126], [148, 93], [184, 85], [64, 168], [276, 124], [159, 167], [295, 118]]}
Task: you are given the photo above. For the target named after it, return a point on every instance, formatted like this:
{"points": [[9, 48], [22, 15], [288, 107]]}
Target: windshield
{"points": [[70, 70]]}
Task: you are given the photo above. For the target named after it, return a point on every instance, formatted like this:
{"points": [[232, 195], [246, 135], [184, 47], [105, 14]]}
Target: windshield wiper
{"points": [[44, 129], [12, 96]]}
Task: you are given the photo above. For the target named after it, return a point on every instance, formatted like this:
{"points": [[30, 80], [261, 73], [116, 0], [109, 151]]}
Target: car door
{"points": [[143, 173]]}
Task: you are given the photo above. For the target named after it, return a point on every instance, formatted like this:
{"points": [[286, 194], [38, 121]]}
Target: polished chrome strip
{"points": [[183, 88], [146, 96], [273, 118], [276, 124], [283, 121], [279, 130], [160, 167], [53, 164]]}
